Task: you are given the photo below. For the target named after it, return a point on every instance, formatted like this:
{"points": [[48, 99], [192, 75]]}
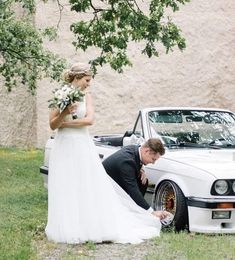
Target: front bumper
{"points": [[44, 172], [202, 214]]}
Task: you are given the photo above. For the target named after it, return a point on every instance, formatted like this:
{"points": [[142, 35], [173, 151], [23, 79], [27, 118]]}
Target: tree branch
{"points": [[61, 7], [133, 9]]}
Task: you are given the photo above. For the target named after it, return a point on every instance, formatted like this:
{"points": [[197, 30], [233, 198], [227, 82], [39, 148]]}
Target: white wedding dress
{"points": [[84, 203]]}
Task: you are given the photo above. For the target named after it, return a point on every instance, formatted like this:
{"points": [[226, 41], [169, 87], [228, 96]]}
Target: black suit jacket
{"points": [[124, 167]]}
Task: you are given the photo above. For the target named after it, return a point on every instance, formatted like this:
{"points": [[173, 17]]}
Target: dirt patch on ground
{"points": [[108, 251]]}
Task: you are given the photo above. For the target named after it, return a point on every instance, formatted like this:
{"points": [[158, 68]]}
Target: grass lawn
{"points": [[23, 213], [23, 202]]}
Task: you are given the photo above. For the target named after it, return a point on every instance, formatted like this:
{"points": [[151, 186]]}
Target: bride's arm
{"points": [[88, 119], [56, 118]]}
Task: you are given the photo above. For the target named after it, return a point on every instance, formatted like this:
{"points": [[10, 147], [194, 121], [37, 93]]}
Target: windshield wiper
{"points": [[193, 145], [222, 143]]}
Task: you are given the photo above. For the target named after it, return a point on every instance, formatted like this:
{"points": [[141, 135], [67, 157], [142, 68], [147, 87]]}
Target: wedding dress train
{"points": [[84, 203]]}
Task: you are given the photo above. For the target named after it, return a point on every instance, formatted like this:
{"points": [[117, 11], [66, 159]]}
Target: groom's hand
{"points": [[143, 177], [160, 214]]}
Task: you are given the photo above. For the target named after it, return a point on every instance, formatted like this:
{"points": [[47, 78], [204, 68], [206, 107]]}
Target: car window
{"points": [[193, 126]]}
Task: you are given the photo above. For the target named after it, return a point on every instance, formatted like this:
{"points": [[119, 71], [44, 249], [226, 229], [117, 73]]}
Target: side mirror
{"points": [[128, 134]]}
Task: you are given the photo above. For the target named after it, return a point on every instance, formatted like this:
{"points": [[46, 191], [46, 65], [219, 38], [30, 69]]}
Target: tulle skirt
{"points": [[84, 203]]}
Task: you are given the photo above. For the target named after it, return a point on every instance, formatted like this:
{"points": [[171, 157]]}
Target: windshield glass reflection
{"points": [[193, 128]]}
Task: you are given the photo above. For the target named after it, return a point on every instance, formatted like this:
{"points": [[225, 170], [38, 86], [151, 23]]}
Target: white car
{"points": [[195, 179]]}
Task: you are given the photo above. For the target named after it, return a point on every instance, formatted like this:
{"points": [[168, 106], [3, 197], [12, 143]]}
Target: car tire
{"points": [[168, 196]]}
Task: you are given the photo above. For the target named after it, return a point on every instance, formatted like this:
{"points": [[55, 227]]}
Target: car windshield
{"points": [[193, 128]]}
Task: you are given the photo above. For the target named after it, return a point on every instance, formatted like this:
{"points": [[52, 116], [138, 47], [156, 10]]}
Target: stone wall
{"points": [[202, 75], [18, 118], [18, 113]]}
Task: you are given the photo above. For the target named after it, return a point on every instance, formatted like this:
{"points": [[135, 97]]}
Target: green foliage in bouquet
{"points": [[65, 96]]}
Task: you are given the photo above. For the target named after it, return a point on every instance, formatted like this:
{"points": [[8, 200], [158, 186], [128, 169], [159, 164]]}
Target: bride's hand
{"points": [[62, 125], [72, 108]]}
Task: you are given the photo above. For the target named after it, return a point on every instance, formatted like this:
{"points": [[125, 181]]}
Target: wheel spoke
{"points": [[169, 197]]}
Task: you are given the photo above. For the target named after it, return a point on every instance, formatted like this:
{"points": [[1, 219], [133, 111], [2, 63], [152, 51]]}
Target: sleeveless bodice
{"points": [[81, 112]]}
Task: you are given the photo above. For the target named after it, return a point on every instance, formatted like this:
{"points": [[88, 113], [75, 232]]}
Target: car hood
{"points": [[219, 163]]}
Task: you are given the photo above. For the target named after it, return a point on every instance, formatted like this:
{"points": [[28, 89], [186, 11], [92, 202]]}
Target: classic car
{"points": [[195, 179]]}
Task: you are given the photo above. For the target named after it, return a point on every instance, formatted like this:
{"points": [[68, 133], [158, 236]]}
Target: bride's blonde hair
{"points": [[78, 70]]}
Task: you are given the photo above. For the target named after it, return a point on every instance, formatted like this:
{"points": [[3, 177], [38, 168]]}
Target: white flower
{"points": [[65, 96]]}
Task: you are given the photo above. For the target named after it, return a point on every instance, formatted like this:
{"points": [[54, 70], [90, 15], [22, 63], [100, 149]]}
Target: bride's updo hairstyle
{"points": [[78, 70]]}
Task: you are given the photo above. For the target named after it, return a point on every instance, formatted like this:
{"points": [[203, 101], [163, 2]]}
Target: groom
{"points": [[125, 167]]}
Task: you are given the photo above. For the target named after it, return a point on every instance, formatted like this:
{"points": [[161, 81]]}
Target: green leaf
{"points": [[23, 57], [116, 23]]}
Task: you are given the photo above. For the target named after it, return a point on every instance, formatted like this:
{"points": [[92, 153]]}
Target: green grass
{"points": [[23, 214], [23, 202], [194, 246]]}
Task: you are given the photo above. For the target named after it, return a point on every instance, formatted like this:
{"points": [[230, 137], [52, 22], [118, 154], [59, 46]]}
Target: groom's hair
{"points": [[156, 145]]}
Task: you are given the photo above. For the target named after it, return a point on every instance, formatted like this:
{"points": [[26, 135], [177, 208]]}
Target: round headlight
{"points": [[233, 186], [221, 187]]}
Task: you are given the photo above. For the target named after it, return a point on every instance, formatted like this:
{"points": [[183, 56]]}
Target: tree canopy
{"points": [[116, 23], [112, 26], [23, 58]]}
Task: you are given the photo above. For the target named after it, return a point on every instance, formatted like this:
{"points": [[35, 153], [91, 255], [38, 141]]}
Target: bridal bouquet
{"points": [[64, 97]]}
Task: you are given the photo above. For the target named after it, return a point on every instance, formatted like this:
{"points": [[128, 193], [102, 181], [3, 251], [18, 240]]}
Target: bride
{"points": [[84, 203]]}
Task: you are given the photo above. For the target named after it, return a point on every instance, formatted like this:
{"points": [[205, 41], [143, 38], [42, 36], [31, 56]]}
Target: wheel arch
{"points": [[178, 181]]}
